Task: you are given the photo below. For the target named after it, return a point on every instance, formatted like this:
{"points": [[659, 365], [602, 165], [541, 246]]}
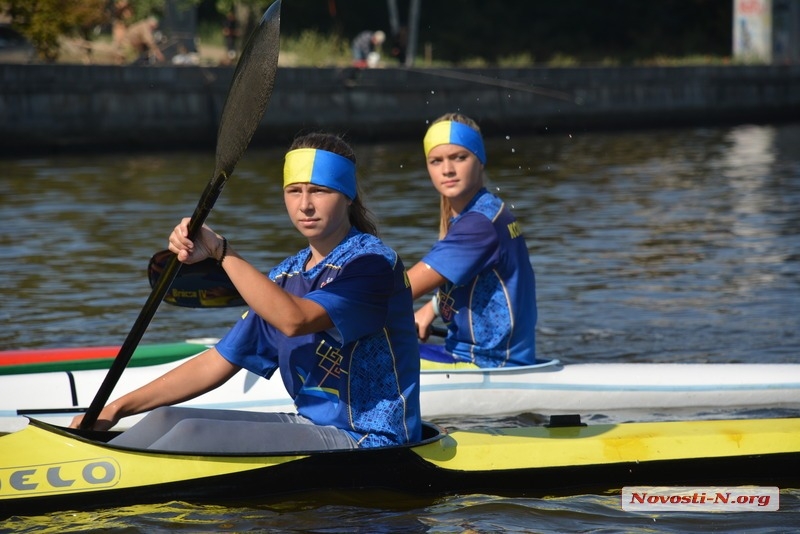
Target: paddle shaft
{"points": [[251, 88], [438, 331], [207, 200]]}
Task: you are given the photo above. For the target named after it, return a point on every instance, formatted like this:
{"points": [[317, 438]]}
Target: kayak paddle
{"points": [[249, 93], [204, 284]]}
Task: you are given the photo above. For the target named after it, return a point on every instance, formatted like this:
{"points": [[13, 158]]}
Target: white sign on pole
{"points": [[752, 31]]}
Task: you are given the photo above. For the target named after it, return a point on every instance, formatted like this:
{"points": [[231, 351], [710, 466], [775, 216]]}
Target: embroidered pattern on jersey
{"points": [[330, 359], [446, 309]]}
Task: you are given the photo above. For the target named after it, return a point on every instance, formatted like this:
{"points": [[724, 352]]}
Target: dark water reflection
{"points": [[648, 246]]}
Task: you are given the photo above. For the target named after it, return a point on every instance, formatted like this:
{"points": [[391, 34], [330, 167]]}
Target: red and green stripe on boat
{"points": [[25, 361]]}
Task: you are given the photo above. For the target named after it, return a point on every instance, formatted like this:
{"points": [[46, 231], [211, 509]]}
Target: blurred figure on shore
{"points": [[141, 38], [121, 16], [184, 57], [400, 45], [230, 31], [366, 46]]}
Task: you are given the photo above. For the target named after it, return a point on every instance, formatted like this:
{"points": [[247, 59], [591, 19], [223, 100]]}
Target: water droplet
{"points": [[513, 150], [508, 137], [433, 92]]}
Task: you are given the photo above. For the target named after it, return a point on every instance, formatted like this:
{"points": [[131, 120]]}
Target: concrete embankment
{"points": [[75, 107]]}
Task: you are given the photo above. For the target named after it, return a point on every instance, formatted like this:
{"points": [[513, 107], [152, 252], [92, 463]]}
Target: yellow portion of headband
{"points": [[438, 134], [298, 166]]}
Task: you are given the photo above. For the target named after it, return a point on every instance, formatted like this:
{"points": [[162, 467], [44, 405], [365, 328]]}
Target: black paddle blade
{"points": [[250, 90], [204, 284]]}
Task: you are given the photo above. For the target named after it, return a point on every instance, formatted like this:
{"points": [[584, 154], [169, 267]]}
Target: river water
{"points": [[649, 246]]}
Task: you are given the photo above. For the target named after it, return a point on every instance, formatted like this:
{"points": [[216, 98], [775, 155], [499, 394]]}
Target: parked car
{"points": [[14, 47]]}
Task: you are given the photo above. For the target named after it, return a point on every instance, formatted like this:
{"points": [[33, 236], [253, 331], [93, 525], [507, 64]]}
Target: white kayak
{"points": [[56, 392]]}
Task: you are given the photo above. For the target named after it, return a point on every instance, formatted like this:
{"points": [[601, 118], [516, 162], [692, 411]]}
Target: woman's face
{"points": [[317, 212], [455, 172]]}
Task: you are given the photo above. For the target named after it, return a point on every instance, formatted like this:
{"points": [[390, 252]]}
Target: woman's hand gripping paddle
{"points": [[249, 93]]}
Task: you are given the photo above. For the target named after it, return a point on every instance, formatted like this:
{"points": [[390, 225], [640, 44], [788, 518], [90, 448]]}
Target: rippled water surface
{"points": [[680, 246], [461, 514]]}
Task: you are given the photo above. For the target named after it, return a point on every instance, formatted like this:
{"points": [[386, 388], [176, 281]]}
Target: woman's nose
{"points": [[306, 203]]}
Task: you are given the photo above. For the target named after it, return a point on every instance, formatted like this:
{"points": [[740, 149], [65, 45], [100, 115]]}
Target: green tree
{"points": [[247, 11], [144, 8], [43, 22]]}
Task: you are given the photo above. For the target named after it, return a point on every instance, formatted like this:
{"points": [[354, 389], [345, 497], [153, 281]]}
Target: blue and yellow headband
{"points": [[455, 133], [320, 167]]}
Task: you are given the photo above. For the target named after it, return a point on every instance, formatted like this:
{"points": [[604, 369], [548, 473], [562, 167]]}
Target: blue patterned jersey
{"points": [[489, 300], [362, 375]]}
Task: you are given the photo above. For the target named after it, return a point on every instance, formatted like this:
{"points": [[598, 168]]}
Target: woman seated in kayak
{"points": [[486, 290], [336, 318]]}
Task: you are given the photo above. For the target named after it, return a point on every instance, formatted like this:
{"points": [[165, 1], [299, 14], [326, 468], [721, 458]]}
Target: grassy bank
{"points": [[313, 49]]}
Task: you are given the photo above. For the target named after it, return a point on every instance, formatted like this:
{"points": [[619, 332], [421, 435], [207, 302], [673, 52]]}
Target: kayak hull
{"points": [[45, 468]]}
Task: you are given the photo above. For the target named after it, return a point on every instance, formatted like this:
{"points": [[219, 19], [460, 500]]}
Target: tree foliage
{"points": [[43, 22]]}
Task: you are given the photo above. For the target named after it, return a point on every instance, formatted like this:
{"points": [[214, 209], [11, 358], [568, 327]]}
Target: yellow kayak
{"points": [[45, 468]]}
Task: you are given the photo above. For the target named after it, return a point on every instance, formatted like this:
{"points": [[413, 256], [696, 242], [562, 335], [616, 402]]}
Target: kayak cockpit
{"points": [[430, 434]]}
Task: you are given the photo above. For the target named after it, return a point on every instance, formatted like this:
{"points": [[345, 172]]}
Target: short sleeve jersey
{"points": [[362, 375], [489, 300]]}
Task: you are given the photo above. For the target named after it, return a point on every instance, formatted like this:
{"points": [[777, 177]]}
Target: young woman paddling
{"points": [[486, 290], [336, 318]]}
